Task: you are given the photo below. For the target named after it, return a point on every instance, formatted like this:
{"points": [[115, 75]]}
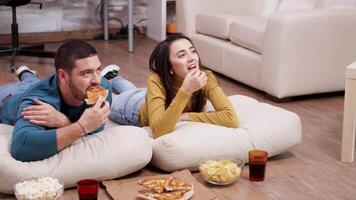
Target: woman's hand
{"points": [[184, 117], [194, 80], [44, 114]]}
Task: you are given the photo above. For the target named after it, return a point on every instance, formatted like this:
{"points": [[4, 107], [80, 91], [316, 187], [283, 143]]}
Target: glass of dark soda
{"points": [[257, 164]]}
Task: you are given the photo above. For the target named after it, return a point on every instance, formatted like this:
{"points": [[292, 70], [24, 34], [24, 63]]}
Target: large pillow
{"points": [[297, 4], [330, 4], [112, 153], [262, 126]]}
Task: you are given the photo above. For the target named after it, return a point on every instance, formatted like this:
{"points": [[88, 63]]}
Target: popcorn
{"points": [[223, 171], [45, 188]]}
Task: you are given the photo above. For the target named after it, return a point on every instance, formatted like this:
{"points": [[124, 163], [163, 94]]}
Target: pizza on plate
{"points": [[171, 188]]}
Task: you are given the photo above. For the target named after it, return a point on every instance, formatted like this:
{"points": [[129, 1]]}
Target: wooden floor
{"points": [[312, 170]]}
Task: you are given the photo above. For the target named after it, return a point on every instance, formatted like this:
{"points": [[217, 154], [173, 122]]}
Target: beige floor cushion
{"points": [[114, 152], [262, 126]]}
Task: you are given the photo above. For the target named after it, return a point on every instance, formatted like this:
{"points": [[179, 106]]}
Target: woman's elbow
{"points": [[158, 131], [233, 120], [234, 123]]}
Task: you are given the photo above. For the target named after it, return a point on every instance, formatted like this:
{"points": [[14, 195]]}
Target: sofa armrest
{"points": [[187, 10], [306, 52]]}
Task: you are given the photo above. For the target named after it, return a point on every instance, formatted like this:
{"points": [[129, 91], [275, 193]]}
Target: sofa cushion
{"points": [[331, 4], [216, 25], [269, 7], [262, 126], [112, 153], [297, 4], [248, 32]]}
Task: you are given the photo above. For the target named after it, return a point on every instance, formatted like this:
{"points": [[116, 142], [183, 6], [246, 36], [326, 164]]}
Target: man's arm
{"points": [[91, 119], [44, 114], [34, 142]]}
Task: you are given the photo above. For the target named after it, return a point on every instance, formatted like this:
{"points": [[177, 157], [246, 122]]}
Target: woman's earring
{"points": [[171, 72]]}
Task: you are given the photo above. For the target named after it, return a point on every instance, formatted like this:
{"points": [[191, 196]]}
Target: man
{"points": [[52, 114]]}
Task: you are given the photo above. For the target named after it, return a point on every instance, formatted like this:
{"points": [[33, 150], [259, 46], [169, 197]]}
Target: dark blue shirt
{"points": [[33, 142]]}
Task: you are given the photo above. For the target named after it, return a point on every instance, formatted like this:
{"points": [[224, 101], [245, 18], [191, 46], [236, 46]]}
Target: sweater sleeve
{"points": [[224, 114], [31, 142], [162, 120]]}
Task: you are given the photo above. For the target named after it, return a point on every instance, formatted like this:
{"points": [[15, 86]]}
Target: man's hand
{"points": [[194, 81], [94, 117], [44, 114]]}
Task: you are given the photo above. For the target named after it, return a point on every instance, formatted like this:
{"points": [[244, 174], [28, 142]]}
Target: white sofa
{"points": [[282, 47]]}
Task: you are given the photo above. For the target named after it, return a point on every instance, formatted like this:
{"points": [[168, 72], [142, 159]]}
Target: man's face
{"points": [[84, 75]]}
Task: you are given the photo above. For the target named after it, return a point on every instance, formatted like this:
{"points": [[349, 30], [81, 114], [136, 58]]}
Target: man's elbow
{"points": [[20, 153], [33, 145], [26, 152]]}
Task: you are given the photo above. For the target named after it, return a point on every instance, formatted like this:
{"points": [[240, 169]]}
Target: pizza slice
{"points": [[155, 185], [176, 184], [93, 94]]}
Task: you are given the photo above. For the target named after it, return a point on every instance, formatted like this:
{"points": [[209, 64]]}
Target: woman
{"points": [[176, 91]]}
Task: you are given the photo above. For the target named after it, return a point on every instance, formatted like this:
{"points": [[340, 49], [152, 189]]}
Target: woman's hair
{"points": [[160, 64]]}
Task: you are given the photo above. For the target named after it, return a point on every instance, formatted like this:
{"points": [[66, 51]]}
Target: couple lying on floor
{"points": [[49, 115]]}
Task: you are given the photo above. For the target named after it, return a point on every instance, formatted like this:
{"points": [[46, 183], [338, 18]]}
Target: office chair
{"points": [[15, 50]]}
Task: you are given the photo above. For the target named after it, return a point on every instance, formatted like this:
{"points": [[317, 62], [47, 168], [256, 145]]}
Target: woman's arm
{"points": [[162, 120], [224, 114]]}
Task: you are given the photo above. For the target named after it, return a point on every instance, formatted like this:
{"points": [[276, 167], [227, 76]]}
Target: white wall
{"points": [[67, 15]]}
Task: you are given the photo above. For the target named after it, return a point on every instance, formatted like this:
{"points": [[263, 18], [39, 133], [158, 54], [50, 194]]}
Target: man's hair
{"points": [[70, 51]]}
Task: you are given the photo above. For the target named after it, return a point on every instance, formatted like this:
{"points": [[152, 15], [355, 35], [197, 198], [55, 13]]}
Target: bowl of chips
{"points": [[44, 188], [221, 171]]}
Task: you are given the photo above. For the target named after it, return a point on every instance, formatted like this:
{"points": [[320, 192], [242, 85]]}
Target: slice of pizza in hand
{"points": [[155, 185], [93, 94]]}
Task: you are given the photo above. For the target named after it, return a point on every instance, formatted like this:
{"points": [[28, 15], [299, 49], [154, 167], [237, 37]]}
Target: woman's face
{"points": [[183, 57]]}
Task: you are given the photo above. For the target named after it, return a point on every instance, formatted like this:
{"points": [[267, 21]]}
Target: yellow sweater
{"points": [[162, 120]]}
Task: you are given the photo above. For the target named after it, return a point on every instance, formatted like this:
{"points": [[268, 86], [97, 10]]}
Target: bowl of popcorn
{"points": [[44, 188], [221, 172]]}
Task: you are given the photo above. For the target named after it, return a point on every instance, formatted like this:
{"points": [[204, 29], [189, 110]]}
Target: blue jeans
{"points": [[19, 87], [127, 100]]}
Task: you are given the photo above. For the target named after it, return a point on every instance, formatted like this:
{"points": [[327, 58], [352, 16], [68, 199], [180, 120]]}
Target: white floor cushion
{"points": [[114, 152], [262, 126]]}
